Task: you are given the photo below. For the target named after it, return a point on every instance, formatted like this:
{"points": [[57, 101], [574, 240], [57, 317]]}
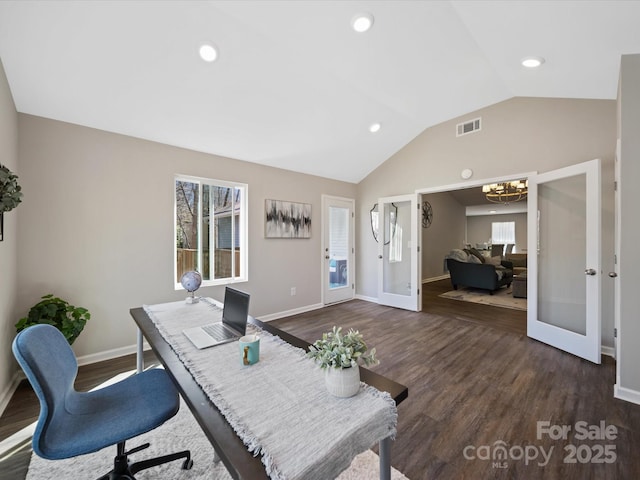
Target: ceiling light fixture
{"points": [[532, 62], [375, 127], [362, 22], [208, 52], [506, 192]]}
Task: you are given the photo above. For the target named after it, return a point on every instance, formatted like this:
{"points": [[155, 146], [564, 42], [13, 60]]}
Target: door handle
{"points": [[613, 274], [590, 271]]}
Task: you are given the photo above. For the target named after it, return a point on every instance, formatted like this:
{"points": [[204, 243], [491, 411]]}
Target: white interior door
{"points": [[398, 252], [563, 267], [338, 250]]}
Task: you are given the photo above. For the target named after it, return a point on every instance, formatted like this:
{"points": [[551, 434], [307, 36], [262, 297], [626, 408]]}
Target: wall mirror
{"points": [[375, 222]]}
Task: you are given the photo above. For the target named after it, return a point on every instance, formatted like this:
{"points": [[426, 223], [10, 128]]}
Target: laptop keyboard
{"points": [[217, 331]]}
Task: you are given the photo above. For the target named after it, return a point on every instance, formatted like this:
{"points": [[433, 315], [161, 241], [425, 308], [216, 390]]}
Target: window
{"points": [[503, 232], [210, 230]]}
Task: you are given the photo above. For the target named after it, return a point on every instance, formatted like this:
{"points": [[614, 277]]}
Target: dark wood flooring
{"points": [[476, 383]]}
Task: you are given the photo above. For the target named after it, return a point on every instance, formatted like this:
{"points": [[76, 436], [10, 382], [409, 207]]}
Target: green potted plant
{"points": [[69, 319], [10, 191], [340, 356]]}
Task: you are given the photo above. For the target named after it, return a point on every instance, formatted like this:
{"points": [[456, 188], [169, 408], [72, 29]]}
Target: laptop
{"points": [[233, 324]]}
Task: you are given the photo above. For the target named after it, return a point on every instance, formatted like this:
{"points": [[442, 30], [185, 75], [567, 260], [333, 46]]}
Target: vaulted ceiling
{"points": [[294, 85]]}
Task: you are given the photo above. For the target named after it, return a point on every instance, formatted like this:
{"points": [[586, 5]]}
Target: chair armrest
{"points": [[507, 264]]}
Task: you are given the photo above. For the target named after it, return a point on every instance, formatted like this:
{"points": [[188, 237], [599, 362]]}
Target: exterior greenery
{"points": [[10, 191], [341, 351], [70, 320]]}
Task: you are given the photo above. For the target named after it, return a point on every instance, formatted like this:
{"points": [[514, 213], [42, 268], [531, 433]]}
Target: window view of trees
{"points": [[210, 229]]}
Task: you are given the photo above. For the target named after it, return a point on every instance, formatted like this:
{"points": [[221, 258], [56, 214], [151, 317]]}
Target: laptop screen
{"points": [[236, 309]]}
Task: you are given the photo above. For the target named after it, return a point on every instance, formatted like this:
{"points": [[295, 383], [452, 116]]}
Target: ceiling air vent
{"points": [[468, 127]]}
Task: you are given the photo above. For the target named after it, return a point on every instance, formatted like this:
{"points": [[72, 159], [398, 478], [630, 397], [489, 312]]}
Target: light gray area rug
{"points": [[180, 433], [503, 297]]}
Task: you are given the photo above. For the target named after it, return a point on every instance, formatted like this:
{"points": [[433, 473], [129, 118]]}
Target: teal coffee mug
{"points": [[249, 349]]}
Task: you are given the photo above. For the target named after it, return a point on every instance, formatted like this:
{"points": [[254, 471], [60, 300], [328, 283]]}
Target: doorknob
{"points": [[613, 274], [590, 271]]}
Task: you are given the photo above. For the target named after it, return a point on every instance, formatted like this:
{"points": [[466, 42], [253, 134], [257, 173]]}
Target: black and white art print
{"points": [[287, 219]]}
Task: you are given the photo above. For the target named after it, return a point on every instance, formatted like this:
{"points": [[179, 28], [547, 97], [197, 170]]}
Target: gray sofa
{"points": [[477, 272]]}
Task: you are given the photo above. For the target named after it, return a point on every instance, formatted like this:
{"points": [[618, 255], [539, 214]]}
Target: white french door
{"points": [[338, 249], [563, 267], [398, 252]]}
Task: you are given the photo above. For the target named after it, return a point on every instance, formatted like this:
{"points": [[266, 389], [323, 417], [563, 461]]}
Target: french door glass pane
{"points": [[562, 252], [338, 247], [396, 222]]}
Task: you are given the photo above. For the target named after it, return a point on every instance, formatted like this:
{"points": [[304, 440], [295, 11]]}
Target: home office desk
{"points": [[240, 463]]}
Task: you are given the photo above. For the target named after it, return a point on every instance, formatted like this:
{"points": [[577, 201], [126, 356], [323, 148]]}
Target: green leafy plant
{"points": [[70, 320], [336, 350], [10, 191]]}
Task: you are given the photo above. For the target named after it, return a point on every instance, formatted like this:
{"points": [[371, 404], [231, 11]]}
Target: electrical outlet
{"points": [[293, 291]]}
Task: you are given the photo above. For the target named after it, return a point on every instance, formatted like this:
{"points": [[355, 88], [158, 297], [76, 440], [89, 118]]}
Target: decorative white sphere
{"points": [[191, 281]]}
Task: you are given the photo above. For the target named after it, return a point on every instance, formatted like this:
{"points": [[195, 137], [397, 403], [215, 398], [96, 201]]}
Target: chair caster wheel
{"points": [[187, 464]]}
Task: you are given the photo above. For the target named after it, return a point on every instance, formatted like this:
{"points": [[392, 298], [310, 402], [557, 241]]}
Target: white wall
{"points": [[9, 246], [96, 227], [518, 136]]}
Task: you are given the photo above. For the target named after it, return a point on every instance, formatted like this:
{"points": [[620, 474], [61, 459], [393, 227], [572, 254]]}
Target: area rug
{"points": [[503, 297], [179, 433]]}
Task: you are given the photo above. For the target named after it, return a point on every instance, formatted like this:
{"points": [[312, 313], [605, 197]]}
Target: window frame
{"points": [[243, 227], [493, 240]]}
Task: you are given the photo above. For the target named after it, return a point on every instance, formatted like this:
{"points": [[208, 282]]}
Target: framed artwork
{"points": [[287, 219]]}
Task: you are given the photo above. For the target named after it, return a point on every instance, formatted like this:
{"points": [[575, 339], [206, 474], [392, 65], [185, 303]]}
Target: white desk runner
{"points": [[279, 407]]}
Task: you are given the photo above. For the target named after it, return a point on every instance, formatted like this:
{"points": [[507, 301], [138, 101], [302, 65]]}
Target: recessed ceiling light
{"points": [[374, 127], [362, 22], [493, 211], [532, 62], [208, 52]]}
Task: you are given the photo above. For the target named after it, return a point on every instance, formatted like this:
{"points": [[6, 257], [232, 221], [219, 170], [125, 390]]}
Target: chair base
{"points": [[122, 470]]}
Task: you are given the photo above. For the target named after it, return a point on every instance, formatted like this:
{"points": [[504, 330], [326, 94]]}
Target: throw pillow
{"points": [[473, 259], [494, 260], [475, 252]]}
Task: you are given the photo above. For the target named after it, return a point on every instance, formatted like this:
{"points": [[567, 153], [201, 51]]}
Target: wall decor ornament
{"points": [[10, 194], [287, 219], [427, 214]]}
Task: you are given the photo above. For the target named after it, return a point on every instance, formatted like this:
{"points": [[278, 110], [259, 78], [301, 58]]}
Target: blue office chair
{"points": [[74, 423]]}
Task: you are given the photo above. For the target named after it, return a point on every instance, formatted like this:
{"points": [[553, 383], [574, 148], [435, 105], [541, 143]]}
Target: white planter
{"points": [[342, 382]]}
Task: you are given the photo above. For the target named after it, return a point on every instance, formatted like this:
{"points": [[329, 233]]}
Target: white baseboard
{"points": [[626, 394], [288, 313], [608, 351], [436, 279], [109, 354], [5, 396], [367, 299]]}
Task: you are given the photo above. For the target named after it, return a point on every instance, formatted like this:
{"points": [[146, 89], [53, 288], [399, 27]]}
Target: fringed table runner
{"points": [[279, 407]]}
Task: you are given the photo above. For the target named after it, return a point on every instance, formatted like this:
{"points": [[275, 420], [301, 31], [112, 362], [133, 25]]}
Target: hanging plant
{"points": [[10, 191]]}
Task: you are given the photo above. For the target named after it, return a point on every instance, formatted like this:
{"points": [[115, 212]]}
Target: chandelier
{"points": [[506, 192]]}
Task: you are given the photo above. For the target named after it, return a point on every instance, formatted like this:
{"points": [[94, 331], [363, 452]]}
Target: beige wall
{"points": [[628, 382], [97, 226], [9, 246], [518, 136], [479, 228], [445, 233]]}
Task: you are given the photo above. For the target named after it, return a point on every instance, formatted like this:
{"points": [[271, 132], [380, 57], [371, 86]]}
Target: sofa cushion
{"points": [[473, 251]]}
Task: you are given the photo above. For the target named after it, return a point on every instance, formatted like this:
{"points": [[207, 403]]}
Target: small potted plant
{"points": [[340, 356], [70, 320]]}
